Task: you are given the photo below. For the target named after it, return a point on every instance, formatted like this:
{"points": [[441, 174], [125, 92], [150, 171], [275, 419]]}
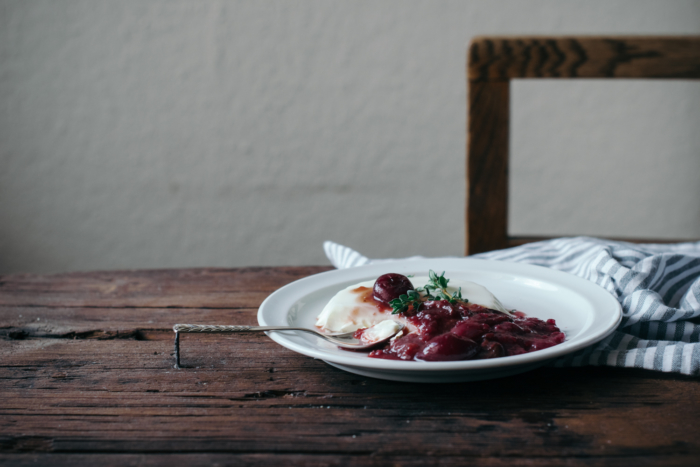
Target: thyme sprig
{"points": [[401, 304], [435, 289], [439, 285]]}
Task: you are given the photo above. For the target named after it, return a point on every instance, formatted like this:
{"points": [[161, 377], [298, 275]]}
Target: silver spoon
{"points": [[341, 339]]}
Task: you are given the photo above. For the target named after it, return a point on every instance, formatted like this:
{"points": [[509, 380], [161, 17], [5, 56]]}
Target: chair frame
{"points": [[494, 61]]}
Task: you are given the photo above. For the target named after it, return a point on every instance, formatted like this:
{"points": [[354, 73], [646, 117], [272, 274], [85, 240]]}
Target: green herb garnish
{"points": [[439, 285], [435, 289], [401, 304]]}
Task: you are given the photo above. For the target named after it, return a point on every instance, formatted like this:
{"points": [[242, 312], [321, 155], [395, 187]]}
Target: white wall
{"points": [[163, 133]]}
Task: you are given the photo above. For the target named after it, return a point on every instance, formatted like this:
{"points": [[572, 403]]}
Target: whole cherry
{"points": [[390, 286]]}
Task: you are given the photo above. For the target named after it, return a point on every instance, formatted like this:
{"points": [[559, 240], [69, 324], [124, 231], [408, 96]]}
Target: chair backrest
{"points": [[494, 61]]}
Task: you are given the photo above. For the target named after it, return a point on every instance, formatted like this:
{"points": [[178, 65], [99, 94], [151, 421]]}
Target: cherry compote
{"points": [[458, 330]]}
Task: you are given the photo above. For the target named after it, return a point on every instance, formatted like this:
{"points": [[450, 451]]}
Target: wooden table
{"points": [[88, 378]]}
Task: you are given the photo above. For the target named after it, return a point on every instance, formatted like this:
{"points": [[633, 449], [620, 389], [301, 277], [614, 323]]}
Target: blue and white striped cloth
{"points": [[657, 285]]}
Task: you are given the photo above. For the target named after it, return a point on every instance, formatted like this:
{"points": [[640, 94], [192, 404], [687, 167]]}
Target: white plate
{"points": [[585, 312]]}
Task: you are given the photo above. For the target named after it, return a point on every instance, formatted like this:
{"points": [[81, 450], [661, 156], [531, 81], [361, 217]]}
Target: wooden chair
{"points": [[494, 61]]}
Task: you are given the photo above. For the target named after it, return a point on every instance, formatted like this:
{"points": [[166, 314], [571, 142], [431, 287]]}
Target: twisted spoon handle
{"points": [[215, 328], [211, 328]]}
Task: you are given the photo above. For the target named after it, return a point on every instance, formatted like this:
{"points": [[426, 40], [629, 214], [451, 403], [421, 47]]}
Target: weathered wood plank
{"points": [[326, 460], [198, 288], [503, 58], [20, 323], [96, 395]]}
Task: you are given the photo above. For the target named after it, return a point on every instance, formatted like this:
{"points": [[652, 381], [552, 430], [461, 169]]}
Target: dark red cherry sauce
{"points": [[463, 331]]}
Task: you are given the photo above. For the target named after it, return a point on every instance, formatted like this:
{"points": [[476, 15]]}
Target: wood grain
{"points": [[181, 288], [494, 61], [487, 166], [338, 459], [505, 58], [95, 384]]}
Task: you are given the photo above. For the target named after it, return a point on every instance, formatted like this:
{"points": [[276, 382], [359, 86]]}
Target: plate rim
{"points": [[468, 265]]}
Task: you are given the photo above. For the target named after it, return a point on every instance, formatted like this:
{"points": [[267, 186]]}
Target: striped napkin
{"points": [[657, 285]]}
